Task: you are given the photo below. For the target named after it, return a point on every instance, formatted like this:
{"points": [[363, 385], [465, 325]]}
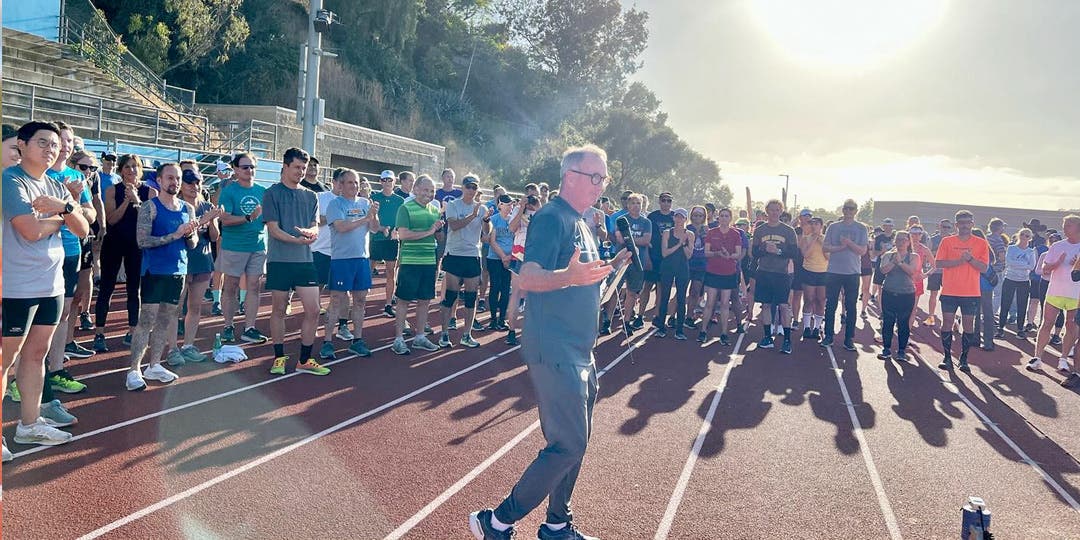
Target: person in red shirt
{"points": [[962, 259], [723, 249]]}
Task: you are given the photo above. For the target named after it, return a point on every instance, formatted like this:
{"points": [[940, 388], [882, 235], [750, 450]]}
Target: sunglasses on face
{"points": [[87, 168], [665, 200], [248, 167]]}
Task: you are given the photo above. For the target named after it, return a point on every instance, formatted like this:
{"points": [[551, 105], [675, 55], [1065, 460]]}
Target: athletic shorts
{"points": [[71, 275], [159, 289], [322, 267], [1038, 289], [797, 279], [968, 305], [720, 281], [201, 277], [350, 274], [867, 271], [22, 313], [1063, 303], [286, 276], [813, 279], [238, 263], [772, 288], [461, 266], [634, 279], [415, 282], [879, 277], [383, 250], [933, 282], [697, 275]]}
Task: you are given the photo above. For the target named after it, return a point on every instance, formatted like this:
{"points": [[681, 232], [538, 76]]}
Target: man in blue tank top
{"points": [[165, 231]]}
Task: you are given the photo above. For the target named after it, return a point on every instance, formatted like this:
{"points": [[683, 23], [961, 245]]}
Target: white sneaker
{"points": [[1034, 364], [40, 433], [1063, 365], [135, 381], [343, 333], [7, 453], [157, 372]]}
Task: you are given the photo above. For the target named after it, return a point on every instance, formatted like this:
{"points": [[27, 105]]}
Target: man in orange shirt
{"points": [[962, 258]]}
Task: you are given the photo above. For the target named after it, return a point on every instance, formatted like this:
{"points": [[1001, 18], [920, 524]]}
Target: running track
{"points": [[690, 442]]}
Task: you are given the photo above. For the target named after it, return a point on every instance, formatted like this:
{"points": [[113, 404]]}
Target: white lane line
{"points": [[688, 468], [864, 449], [207, 399], [309, 439], [424, 512], [951, 387]]}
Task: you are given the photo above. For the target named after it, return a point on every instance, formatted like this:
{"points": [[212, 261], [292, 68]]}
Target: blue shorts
{"points": [[350, 274]]}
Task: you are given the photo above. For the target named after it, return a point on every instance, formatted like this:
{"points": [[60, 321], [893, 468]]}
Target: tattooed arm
{"points": [[147, 212]]}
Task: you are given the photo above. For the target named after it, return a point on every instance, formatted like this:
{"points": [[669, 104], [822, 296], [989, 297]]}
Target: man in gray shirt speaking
{"points": [[561, 275], [845, 242]]}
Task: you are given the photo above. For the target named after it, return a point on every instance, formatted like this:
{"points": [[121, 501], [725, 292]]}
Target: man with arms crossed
{"points": [[561, 275]]}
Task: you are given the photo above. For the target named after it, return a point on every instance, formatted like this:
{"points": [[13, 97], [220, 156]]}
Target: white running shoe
{"points": [[135, 381], [7, 453], [40, 432], [1034, 364], [343, 333], [157, 372], [1063, 365]]}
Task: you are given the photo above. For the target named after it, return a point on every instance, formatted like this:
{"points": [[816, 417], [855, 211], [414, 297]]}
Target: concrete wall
{"points": [[338, 142], [931, 213]]}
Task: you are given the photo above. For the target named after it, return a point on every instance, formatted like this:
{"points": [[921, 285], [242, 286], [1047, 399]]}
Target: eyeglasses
{"points": [[472, 187], [386, 179], [665, 199], [596, 178], [85, 168], [248, 167], [46, 143]]}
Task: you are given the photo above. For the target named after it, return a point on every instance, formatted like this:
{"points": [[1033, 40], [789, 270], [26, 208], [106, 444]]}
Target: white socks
{"points": [[555, 527], [498, 525]]}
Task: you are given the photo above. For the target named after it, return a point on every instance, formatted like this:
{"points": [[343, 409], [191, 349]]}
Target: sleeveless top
{"points": [[124, 230], [677, 260], [169, 259], [698, 262], [201, 259]]}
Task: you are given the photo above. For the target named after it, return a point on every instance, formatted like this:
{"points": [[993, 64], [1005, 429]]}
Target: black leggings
{"points": [[1020, 289], [681, 277], [114, 254], [833, 284], [896, 311], [499, 290]]}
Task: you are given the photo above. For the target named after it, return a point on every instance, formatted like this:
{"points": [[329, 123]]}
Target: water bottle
{"points": [[975, 519], [217, 343]]}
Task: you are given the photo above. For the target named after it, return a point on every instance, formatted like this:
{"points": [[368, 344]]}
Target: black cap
{"points": [[9, 132], [505, 199], [191, 177]]}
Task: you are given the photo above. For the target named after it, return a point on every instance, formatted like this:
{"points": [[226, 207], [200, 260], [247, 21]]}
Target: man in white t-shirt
{"points": [[1062, 296], [466, 219]]}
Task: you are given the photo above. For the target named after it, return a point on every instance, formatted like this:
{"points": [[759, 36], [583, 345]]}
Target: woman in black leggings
{"points": [[118, 248], [899, 265], [677, 245], [501, 242]]}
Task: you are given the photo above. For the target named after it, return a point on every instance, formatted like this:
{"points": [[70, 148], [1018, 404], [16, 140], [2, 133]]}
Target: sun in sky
{"points": [[846, 34]]}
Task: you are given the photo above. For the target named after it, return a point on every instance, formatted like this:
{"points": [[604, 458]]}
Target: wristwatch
{"points": [[68, 208], [247, 218]]}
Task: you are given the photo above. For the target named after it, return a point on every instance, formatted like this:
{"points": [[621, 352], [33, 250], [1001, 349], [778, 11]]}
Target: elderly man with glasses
{"points": [[845, 241]]}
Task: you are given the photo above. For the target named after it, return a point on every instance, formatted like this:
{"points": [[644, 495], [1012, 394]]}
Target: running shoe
{"points": [[901, 356], [638, 323], [885, 355], [481, 305], [127, 339], [40, 432], [399, 346], [605, 329], [62, 381], [452, 325], [690, 323], [1072, 381], [228, 335], [279, 365], [208, 295], [56, 415], [946, 363], [428, 330], [192, 354], [826, 341], [1055, 339], [660, 332], [7, 453], [444, 341], [482, 529], [702, 337], [253, 335], [511, 337], [215, 310], [343, 332], [568, 532], [312, 367], [1063, 365], [963, 366], [158, 372], [468, 341], [806, 333], [766, 343], [360, 348], [671, 323], [85, 324], [75, 350], [679, 335], [1034, 364], [99, 343], [785, 348], [476, 326], [174, 358], [13, 392], [493, 324], [725, 340], [389, 311], [422, 342], [741, 328], [849, 345], [326, 352], [134, 381]]}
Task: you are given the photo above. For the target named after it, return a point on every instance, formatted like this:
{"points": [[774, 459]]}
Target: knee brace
{"points": [[468, 298], [450, 298]]}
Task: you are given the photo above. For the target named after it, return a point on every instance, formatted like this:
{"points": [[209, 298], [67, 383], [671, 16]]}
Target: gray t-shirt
{"points": [[780, 235], [845, 261], [290, 208], [898, 281], [352, 244], [561, 325], [465, 241], [31, 269]]}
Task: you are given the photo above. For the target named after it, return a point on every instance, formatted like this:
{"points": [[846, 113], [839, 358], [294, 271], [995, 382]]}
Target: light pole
{"points": [[310, 114], [787, 180]]}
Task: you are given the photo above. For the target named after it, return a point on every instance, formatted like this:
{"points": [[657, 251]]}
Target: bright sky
{"points": [[964, 100]]}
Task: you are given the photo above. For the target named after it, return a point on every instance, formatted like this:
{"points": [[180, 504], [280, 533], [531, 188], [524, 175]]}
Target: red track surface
{"points": [[781, 459]]}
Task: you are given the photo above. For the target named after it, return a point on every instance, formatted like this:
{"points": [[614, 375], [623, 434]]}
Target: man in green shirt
{"points": [[382, 246], [243, 247], [416, 224]]}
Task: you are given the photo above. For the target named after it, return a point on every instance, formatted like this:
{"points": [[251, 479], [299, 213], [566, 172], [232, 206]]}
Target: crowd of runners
{"points": [[186, 245]]}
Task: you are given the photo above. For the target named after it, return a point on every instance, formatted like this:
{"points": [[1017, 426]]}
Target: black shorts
{"points": [[634, 279], [87, 256], [322, 267], [968, 305], [22, 313], [383, 250], [286, 276], [720, 281], [772, 288], [461, 266], [1038, 290], [879, 277], [933, 282], [697, 275], [71, 275], [867, 271], [415, 282], [813, 279], [797, 279], [157, 289]]}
